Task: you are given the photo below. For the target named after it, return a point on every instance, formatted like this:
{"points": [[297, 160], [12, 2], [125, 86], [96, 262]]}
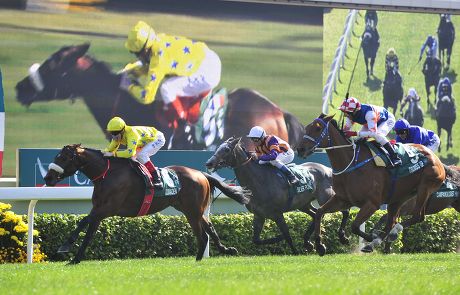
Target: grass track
{"points": [[406, 32], [333, 274], [281, 60]]}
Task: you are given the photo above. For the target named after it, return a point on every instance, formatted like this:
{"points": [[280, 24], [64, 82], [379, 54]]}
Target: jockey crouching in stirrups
{"points": [[377, 123], [272, 149], [148, 139]]}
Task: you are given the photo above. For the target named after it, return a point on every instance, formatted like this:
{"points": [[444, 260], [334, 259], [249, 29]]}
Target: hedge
{"points": [[164, 236]]}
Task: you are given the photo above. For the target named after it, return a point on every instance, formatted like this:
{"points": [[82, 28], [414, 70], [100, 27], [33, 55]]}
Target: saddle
{"points": [[305, 183], [168, 177]]}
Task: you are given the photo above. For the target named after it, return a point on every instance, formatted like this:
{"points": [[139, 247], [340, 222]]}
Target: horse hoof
{"points": [[344, 240], [232, 251], [367, 249], [73, 262], [64, 249], [321, 249], [308, 246]]}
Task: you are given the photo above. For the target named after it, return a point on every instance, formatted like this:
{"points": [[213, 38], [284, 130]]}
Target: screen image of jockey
{"points": [[270, 149], [175, 66], [406, 133], [141, 143], [431, 44], [376, 122]]}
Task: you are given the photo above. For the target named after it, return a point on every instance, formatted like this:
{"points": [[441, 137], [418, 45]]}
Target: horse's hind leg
{"points": [[211, 231], [258, 224], [342, 237], [281, 223], [200, 234], [94, 222], [82, 224]]}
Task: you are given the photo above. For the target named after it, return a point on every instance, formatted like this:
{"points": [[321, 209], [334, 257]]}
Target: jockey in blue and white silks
{"points": [[444, 88], [376, 122], [406, 133], [432, 45]]}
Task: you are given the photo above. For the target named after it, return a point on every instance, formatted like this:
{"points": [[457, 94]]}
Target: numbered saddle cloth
{"points": [[169, 178], [447, 190], [306, 182]]}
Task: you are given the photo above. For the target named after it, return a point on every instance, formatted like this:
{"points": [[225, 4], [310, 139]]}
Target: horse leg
{"points": [[258, 224], [281, 223], [310, 210], [334, 204], [74, 235], [376, 229], [93, 221], [200, 233], [372, 65], [367, 68], [342, 237], [440, 141], [211, 231], [449, 52], [364, 213]]}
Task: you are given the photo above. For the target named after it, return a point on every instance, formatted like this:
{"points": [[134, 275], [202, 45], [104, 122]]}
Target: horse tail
{"points": [[295, 129], [452, 174], [237, 193]]}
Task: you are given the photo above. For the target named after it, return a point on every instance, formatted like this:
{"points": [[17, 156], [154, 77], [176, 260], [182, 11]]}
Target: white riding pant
{"points": [[281, 159], [204, 79], [151, 148], [382, 130], [435, 144]]}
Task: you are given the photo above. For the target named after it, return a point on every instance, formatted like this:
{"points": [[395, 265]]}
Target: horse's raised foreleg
{"points": [[334, 204], [258, 224], [310, 210], [210, 230], [364, 213], [93, 222], [74, 235]]}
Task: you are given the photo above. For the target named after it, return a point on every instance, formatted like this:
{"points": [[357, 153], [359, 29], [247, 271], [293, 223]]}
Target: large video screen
{"points": [[387, 83], [271, 59]]}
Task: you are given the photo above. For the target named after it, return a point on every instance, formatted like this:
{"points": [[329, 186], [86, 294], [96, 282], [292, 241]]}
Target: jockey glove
{"points": [[108, 154], [349, 133], [125, 81]]}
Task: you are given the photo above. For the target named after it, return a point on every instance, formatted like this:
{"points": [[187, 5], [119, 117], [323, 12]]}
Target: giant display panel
{"points": [[272, 51], [405, 33]]}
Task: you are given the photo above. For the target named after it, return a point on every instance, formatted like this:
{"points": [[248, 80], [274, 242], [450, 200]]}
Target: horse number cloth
{"points": [[305, 178]]}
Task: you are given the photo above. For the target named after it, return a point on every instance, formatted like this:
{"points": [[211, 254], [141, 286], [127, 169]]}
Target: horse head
{"points": [[56, 77], [225, 155], [318, 135], [65, 163]]}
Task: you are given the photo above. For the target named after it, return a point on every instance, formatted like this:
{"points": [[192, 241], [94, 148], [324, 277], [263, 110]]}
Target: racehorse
{"points": [[392, 89], [119, 191], [445, 118], [357, 182], [446, 37], [270, 193], [370, 44], [70, 73], [434, 204], [414, 113], [432, 72]]}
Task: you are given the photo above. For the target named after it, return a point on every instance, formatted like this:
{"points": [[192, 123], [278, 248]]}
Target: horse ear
{"points": [[329, 117], [74, 53]]}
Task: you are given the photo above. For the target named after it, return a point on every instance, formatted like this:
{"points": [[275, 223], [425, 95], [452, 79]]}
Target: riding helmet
{"points": [[141, 36], [116, 124]]}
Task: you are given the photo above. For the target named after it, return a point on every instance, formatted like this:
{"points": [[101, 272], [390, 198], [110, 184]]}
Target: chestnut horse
{"points": [[358, 182], [70, 73], [119, 191]]}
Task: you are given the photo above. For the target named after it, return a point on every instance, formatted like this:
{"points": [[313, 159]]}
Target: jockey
{"points": [[177, 66], [148, 139], [377, 123], [406, 133], [272, 149], [371, 18], [411, 96], [432, 44], [444, 88], [391, 60]]}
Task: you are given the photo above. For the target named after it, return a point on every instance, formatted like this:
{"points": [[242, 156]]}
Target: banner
{"points": [[2, 124]]}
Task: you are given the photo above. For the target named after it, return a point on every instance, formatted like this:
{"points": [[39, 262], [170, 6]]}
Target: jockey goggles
{"points": [[401, 131], [115, 133]]}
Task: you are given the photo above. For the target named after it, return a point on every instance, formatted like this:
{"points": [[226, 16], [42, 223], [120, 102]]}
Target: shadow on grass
{"points": [[450, 159], [451, 74], [373, 83]]}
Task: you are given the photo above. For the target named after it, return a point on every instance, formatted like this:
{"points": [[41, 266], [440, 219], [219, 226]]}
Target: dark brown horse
{"points": [[358, 182], [119, 191], [70, 73]]}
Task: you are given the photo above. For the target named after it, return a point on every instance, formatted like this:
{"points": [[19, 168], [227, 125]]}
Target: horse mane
{"points": [[99, 65]]}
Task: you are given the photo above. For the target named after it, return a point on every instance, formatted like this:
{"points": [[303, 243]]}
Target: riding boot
{"points": [[291, 176], [156, 178], [395, 160]]}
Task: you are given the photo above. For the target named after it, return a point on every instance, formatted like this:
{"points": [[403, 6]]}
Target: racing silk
{"points": [[432, 50], [134, 137], [418, 135], [442, 92], [369, 115], [171, 56], [271, 146], [389, 60]]}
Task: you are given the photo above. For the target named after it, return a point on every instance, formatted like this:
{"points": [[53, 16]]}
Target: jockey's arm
{"points": [[348, 124], [371, 119], [146, 95], [417, 138], [113, 146], [131, 147], [274, 151]]}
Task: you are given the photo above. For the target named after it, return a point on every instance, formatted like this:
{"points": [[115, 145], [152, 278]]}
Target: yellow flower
{"points": [[20, 228], [4, 206], [3, 232], [14, 238]]}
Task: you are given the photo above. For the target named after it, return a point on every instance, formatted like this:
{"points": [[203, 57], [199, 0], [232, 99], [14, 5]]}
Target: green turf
{"points": [[334, 274], [282, 61], [406, 32]]}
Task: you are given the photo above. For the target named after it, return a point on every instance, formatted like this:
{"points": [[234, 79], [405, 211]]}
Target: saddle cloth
{"points": [[447, 190], [306, 182], [169, 178]]}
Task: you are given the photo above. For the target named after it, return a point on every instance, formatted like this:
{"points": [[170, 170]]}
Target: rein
{"points": [[103, 173]]}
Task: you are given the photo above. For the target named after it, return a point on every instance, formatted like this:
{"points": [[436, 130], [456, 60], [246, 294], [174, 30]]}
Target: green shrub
{"points": [[164, 236]]}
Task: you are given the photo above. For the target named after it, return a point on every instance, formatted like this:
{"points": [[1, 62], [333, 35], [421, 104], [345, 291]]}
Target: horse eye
{"points": [[227, 149]]}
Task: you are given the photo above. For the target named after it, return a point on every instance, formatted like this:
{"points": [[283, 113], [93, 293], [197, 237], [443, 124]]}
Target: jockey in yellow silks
{"points": [[141, 143], [177, 66]]}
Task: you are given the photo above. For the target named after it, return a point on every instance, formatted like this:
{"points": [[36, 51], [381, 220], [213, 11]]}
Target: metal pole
{"points": [[206, 215], [30, 236]]}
